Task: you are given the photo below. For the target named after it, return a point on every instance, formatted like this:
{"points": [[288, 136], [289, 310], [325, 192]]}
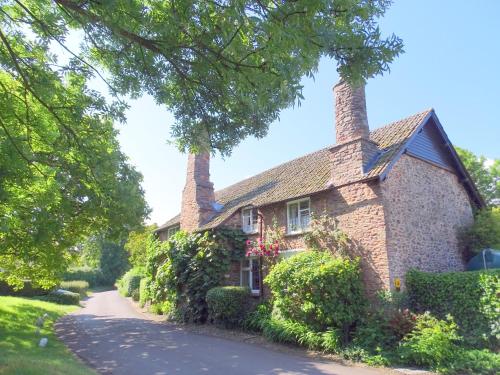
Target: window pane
{"points": [[293, 217], [305, 220], [245, 278], [255, 275], [304, 205], [245, 263]]}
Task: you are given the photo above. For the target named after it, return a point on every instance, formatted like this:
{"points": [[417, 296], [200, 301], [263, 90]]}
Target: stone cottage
{"points": [[400, 191]]}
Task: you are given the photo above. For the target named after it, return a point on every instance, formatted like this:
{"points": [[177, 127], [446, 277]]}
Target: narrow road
{"points": [[114, 337]]}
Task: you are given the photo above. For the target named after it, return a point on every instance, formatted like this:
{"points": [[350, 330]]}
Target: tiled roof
{"points": [[305, 175]]}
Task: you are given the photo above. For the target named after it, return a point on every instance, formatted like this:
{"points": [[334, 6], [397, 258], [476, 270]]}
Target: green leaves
{"points": [[318, 290], [226, 68], [186, 267], [485, 175]]}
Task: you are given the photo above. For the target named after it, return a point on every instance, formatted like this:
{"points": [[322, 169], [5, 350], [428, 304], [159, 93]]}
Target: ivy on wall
{"points": [[183, 269]]}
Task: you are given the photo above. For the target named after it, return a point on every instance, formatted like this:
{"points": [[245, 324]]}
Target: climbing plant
{"points": [[184, 268]]}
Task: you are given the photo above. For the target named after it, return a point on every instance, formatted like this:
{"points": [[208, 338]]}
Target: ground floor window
{"points": [[249, 274]]}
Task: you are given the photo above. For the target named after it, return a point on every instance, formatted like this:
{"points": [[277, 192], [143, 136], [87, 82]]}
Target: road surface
{"points": [[114, 337]]}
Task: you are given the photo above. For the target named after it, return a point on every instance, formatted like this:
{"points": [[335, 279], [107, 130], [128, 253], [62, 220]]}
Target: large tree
{"points": [[57, 184], [224, 67], [484, 173]]}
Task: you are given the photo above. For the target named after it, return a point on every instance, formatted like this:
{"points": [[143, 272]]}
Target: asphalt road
{"points": [[114, 337]]}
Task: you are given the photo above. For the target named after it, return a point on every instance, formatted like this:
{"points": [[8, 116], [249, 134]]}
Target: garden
{"points": [[449, 322]]}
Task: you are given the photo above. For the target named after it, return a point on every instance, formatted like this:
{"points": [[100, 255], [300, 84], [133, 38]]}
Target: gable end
{"points": [[429, 146]]}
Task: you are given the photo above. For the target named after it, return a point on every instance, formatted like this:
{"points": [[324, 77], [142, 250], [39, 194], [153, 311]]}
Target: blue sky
{"points": [[451, 63]]}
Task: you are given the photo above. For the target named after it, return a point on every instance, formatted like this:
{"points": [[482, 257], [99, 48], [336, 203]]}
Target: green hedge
{"points": [[128, 284], [144, 295], [470, 297], [77, 286], [28, 290], [228, 305], [318, 290], [62, 297], [93, 276]]}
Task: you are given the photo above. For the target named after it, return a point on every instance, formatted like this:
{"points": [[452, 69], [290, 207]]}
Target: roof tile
{"points": [[305, 175]]}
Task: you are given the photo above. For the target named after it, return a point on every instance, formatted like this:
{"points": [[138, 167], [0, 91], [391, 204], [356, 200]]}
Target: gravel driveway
{"points": [[114, 337]]}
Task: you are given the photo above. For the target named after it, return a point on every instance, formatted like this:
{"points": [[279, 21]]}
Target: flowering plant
{"points": [[270, 246], [261, 248]]}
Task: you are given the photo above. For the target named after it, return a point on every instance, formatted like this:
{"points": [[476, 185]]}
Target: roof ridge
{"points": [[276, 173]]}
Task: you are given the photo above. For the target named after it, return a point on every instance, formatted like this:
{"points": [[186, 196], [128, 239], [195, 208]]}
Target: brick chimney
{"points": [[353, 150], [198, 194]]}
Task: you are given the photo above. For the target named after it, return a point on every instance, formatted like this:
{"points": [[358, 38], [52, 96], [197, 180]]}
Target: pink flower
{"points": [[249, 242]]}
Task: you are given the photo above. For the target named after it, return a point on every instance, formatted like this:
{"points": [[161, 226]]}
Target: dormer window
{"points": [[249, 218], [298, 215]]}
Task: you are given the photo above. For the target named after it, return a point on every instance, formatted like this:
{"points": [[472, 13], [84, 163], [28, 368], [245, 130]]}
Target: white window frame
{"points": [[288, 221], [172, 230], [254, 227], [255, 292]]}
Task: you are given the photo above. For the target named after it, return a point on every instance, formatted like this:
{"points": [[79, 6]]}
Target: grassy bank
{"points": [[19, 349]]}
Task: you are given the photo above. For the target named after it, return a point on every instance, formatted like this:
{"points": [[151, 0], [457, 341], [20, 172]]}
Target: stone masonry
{"points": [[198, 194], [410, 219], [425, 208]]}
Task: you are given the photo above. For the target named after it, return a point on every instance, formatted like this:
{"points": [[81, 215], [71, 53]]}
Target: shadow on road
{"points": [[138, 346]]}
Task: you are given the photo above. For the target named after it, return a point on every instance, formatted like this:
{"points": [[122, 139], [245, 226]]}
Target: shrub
{"points": [[28, 290], [62, 297], [432, 342], [474, 362], [255, 319], [228, 305], [183, 269], [135, 295], [470, 297], [129, 283], [77, 286], [485, 232], [163, 308], [93, 276], [144, 292], [318, 290]]}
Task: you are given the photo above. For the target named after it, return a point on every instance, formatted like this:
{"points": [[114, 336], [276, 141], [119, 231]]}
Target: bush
{"points": [[135, 295], [318, 290], [163, 308], [432, 342], [28, 290], [474, 362], [77, 286], [485, 233], [93, 276], [144, 296], [62, 297], [129, 283], [256, 319], [228, 305], [186, 267], [470, 297]]}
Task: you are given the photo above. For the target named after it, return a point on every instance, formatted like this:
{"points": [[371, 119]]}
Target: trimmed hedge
{"points": [[128, 284], [77, 286], [93, 276], [470, 297], [28, 290], [228, 305], [61, 297]]}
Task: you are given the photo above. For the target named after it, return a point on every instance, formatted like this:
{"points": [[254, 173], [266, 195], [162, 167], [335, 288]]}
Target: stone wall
{"points": [[425, 208], [359, 210]]}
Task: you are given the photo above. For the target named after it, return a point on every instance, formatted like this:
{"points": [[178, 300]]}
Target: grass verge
{"points": [[20, 353]]}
